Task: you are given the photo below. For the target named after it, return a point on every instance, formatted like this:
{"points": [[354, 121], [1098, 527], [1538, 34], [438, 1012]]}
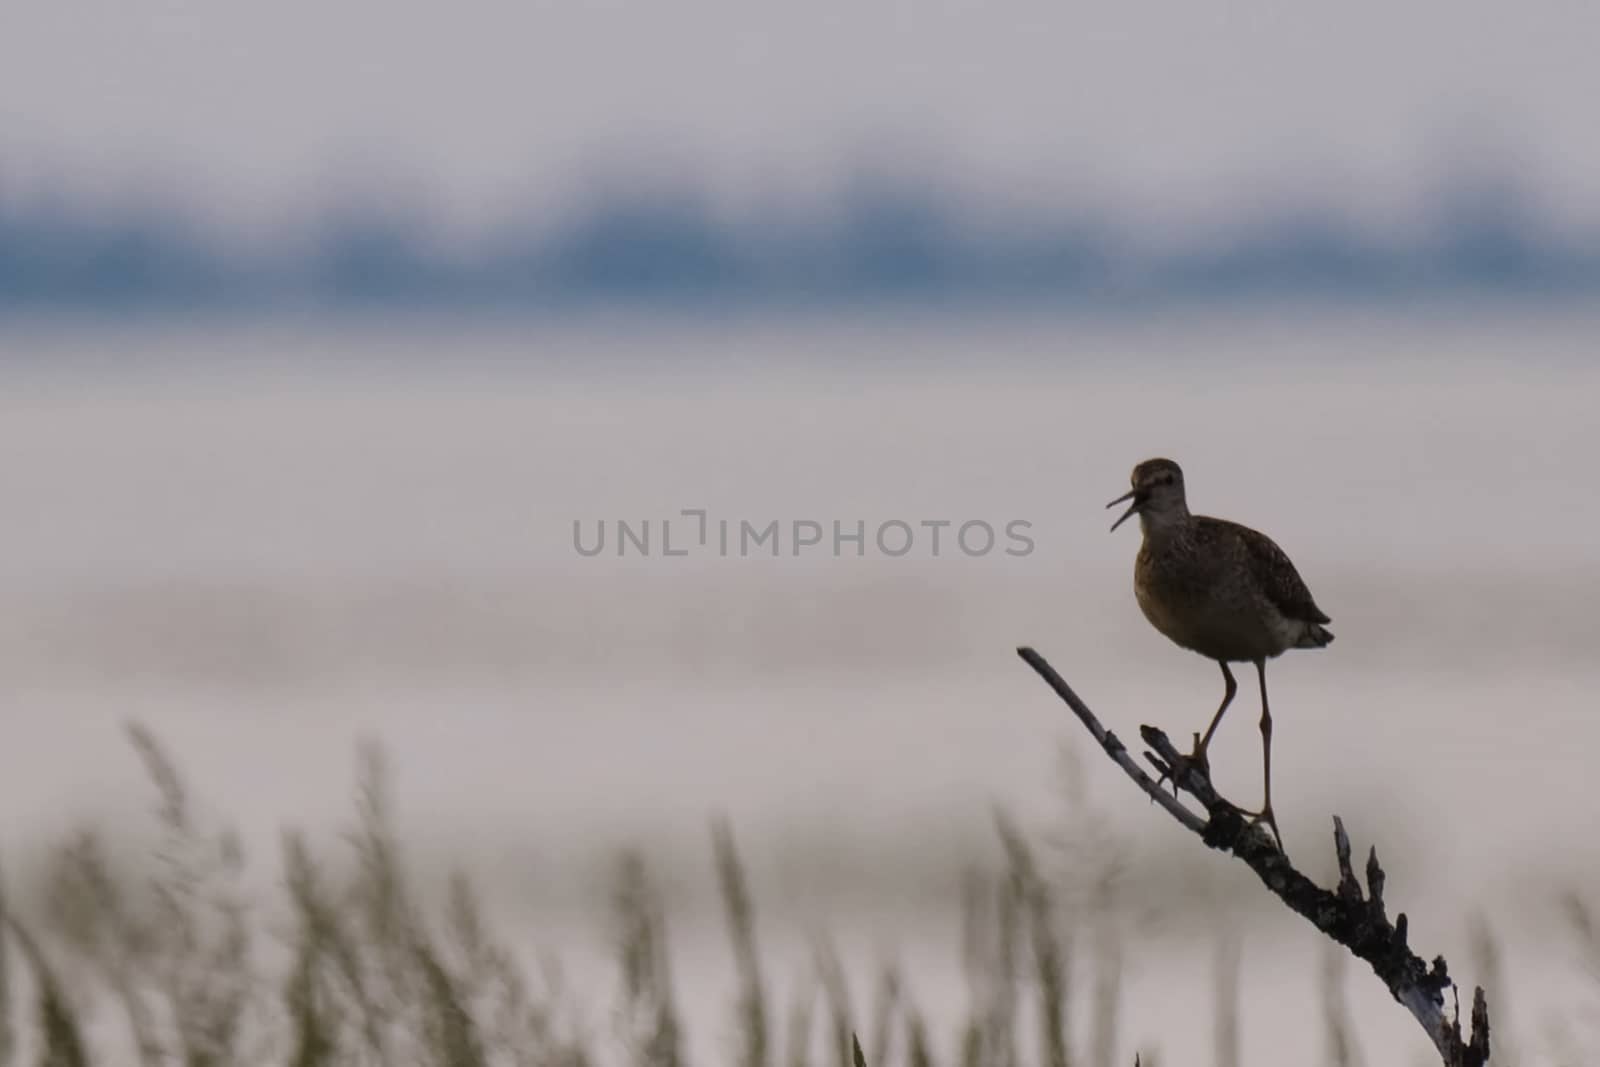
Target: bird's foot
{"points": [[1195, 760], [1265, 816]]}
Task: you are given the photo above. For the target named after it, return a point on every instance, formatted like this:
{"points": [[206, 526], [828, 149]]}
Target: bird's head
{"points": [[1157, 493]]}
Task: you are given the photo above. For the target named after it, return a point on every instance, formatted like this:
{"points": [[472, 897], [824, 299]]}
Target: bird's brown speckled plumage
{"points": [[1225, 591]]}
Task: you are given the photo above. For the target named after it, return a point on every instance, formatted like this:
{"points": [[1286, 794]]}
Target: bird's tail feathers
{"points": [[1314, 636]]}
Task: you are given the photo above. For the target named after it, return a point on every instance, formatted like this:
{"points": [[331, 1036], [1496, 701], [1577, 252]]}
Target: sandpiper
{"points": [[1219, 589]]}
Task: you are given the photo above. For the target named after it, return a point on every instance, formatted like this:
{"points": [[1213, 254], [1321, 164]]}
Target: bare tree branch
{"points": [[1355, 920]]}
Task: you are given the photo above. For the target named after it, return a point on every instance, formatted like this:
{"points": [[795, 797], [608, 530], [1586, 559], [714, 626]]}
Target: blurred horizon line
{"points": [[658, 244]]}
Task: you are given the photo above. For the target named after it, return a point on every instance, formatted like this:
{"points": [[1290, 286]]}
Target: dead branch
{"points": [[1355, 920]]}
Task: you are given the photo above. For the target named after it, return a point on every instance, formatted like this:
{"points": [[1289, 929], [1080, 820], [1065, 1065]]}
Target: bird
{"points": [[1219, 589]]}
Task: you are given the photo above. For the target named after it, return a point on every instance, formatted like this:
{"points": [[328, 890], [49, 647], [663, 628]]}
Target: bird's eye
{"points": [[1166, 479]]}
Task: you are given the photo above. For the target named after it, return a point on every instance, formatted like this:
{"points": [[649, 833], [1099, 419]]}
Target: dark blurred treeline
{"points": [[884, 242]]}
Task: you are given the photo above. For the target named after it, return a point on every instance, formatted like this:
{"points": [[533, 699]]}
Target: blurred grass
{"points": [[361, 967]]}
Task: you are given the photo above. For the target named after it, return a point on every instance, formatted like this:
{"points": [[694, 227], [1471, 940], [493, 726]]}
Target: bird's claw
{"points": [[1195, 760], [1265, 816], [1171, 773]]}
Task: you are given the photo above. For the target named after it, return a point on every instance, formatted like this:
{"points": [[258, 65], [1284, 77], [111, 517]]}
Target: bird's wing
{"points": [[1277, 577]]}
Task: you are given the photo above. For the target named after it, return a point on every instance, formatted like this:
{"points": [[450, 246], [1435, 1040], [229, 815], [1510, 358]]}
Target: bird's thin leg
{"points": [[1198, 756], [1266, 815], [1232, 687]]}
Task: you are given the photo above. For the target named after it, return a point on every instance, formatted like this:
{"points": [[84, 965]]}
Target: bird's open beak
{"points": [[1131, 494]]}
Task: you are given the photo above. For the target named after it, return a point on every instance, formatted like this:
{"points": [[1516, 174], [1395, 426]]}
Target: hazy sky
{"points": [[257, 105]]}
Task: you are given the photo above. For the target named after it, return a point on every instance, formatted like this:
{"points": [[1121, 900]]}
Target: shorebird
{"points": [[1219, 589]]}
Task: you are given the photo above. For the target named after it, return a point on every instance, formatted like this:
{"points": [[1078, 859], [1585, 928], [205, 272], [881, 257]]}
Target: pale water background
{"points": [[267, 543]]}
